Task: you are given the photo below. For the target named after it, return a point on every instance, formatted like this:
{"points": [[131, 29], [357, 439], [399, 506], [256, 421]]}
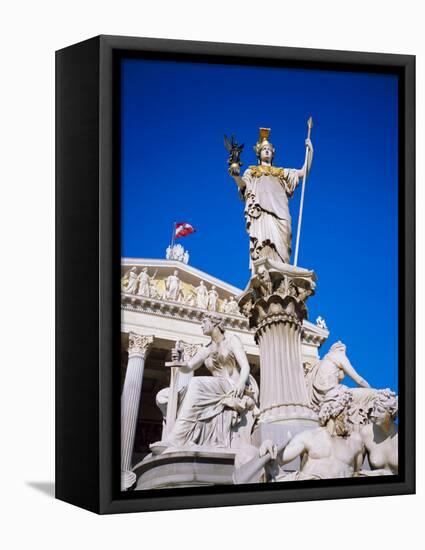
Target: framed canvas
{"points": [[235, 274]]}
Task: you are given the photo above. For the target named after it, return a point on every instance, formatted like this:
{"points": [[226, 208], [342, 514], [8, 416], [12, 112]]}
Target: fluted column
{"points": [[138, 349], [275, 303], [283, 392]]}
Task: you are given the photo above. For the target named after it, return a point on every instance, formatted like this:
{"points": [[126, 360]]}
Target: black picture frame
{"points": [[88, 274]]}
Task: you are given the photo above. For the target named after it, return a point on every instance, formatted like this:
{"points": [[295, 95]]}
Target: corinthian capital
{"points": [[138, 344]]}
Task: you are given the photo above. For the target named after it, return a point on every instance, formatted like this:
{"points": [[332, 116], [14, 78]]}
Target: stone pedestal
{"points": [[275, 304], [130, 401], [185, 468]]}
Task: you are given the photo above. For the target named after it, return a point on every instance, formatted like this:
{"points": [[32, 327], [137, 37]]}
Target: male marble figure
{"points": [[333, 450], [265, 190]]}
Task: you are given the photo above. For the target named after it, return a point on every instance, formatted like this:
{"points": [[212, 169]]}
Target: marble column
{"points": [[138, 348], [275, 303]]}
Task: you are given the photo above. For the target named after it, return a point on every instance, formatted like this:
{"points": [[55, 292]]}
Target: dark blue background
{"points": [[174, 115]]}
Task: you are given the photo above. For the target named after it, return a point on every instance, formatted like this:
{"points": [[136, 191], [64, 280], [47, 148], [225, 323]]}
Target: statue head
{"points": [[384, 407], [338, 346], [176, 272], [210, 322], [263, 148], [334, 411]]}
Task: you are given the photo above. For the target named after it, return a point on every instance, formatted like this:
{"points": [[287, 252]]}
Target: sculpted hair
{"points": [[336, 406], [388, 400], [337, 346], [216, 320]]}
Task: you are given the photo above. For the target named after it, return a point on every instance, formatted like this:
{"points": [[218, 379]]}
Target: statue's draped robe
{"points": [[267, 216], [208, 413]]}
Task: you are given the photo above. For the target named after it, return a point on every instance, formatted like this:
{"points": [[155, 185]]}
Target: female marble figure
{"points": [[212, 299], [202, 295], [329, 372], [331, 451], [172, 286], [144, 283], [211, 411], [132, 281], [265, 190], [380, 437]]}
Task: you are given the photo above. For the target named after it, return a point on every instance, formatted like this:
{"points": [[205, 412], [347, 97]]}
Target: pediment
{"points": [[190, 277]]}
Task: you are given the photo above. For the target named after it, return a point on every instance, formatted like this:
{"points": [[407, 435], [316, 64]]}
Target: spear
{"points": [[300, 217]]}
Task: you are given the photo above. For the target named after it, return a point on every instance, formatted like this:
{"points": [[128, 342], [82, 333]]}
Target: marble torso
{"points": [[221, 360], [331, 456], [382, 453]]}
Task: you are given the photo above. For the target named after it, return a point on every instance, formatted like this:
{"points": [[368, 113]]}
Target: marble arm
{"points": [[193, 364], [292, 450], [242, 361], [350, 371], [239, 182], [307, 165], [358, 462], [373, 473]]}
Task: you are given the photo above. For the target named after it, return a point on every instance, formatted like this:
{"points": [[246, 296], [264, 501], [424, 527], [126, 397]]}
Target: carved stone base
{"points": [[185, 469], [288, 414]]}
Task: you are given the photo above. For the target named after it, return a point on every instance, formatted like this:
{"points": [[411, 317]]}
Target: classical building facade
{"points": [[163, 302]]}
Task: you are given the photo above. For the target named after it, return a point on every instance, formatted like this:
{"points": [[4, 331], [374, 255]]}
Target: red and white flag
{"points": [[182, 229]]}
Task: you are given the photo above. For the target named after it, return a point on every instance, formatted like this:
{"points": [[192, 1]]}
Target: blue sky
{"points": [[174, 115]]}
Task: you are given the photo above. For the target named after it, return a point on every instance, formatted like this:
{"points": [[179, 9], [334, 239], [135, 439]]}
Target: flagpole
{"points": [[174, 233], [300, 217]]}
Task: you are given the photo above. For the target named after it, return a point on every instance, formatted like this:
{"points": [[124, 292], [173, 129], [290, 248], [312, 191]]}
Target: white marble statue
{"points": [[202, 295], [333, 450], [212, 299], [380, 437], [132, 281], [321, 323], [265, 190], [329, 372], [173, 286], [145, 282], [213, 407], [232, 306], [223, 306], [177, 252]]}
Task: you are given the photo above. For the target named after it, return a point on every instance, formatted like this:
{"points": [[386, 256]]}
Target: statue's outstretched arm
{"points": [[305, 170], [350, 371], [194, 363], [293, 449]]}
